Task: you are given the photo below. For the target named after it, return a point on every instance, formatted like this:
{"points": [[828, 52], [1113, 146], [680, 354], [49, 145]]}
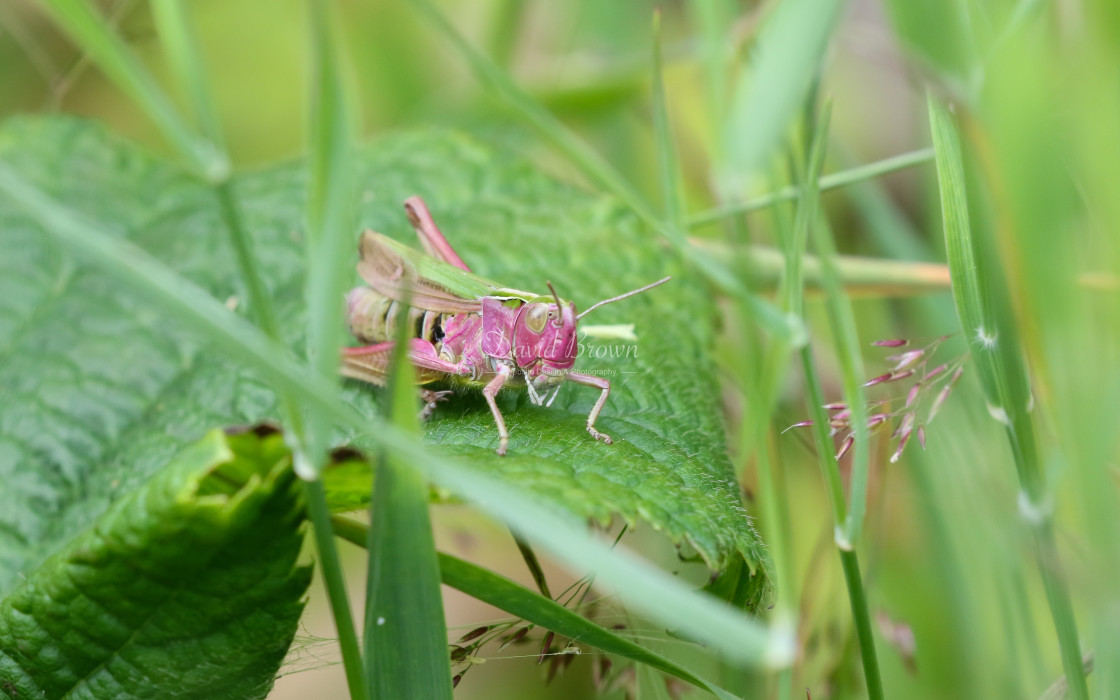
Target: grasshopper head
{"points": [[545, 331]]}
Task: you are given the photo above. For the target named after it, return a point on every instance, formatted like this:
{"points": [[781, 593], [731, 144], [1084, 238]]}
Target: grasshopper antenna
{"points": [[620, 297], [554, 295], [559, 307]]}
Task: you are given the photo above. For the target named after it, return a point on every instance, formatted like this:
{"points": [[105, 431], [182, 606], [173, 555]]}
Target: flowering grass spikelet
{"points": [[911, 364]]}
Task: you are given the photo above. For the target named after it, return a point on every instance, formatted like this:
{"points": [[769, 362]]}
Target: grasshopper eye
{"points": [[535, 319]]}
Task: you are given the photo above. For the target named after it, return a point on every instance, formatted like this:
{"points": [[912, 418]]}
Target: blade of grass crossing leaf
{"points": [[515, 599], [988, 325], [766, 98], [601, 172], [329, 230], [405, 631], [658, 595], [181, 49], [330, 204], [667, 164], [117, 61]]}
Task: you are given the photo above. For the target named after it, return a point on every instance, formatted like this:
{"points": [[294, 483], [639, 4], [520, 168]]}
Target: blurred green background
{"points": [[954, 589]]}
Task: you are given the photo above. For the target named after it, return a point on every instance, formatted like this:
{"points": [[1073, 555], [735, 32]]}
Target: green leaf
{"points": [[185, 587], [103, 389]]}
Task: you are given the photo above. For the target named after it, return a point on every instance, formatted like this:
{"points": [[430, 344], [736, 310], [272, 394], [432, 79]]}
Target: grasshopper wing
{"points": [[399, 272]]}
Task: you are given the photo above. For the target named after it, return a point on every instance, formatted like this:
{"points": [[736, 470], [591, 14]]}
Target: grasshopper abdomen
{"points": [[373, 318]]}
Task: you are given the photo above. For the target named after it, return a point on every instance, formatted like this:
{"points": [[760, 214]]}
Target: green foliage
{"points": [[100, 387], [152, 387], [184, 587]]}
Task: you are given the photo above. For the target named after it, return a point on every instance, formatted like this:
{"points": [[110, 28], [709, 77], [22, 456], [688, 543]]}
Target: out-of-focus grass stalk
{"points": [[809, 219], [827, 182], [180, 45], [784, 67], [505, 30], [861, 276], [330, 220], [842, 321], [113, 57], [204, 154], [330, 203], [988, 326], [715, 19], [773, 510], [1050, 160], [668, 166]]}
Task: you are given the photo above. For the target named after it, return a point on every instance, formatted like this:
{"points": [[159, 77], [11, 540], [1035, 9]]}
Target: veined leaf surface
{"points": [[101, 390]]}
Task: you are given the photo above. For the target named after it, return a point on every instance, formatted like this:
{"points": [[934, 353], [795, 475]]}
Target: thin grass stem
{"points": [[861, 614], [331, 568], [827, 182]]}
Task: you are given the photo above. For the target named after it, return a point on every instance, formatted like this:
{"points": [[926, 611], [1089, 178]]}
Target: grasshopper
{"points": [[462, 327]]}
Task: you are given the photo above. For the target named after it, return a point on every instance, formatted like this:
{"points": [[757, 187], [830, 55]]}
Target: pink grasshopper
{"points": [[463, 328]]}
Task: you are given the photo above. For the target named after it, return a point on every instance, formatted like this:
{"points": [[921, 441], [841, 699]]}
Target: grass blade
{"points": [[988, 325], [405, 630], [117, 61], [842, 322], [517, 600], [330, 217], [861, 276]]}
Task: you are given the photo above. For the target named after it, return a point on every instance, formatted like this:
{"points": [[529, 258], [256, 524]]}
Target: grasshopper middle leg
{"points": [[490, 391]]}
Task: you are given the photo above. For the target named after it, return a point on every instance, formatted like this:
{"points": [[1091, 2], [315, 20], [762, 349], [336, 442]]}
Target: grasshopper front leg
{"points": [[598, 383], [490, 391]]}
